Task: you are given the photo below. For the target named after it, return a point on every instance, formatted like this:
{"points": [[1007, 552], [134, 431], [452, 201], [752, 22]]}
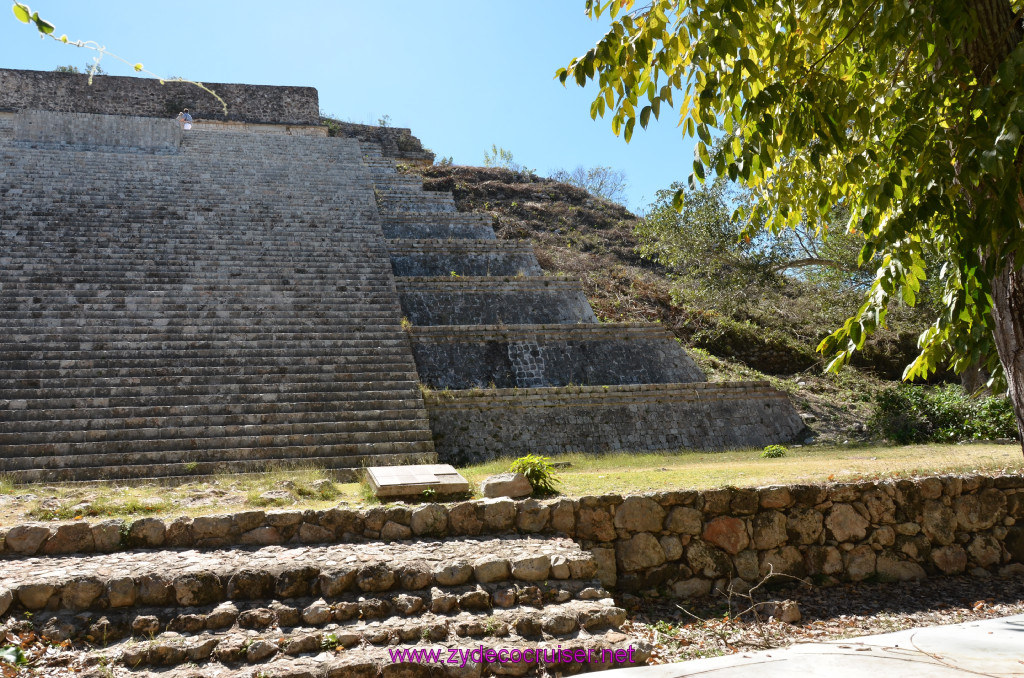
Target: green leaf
{"points": [[22, 12], [44, 26], [137, 67], [645, 116], [12, 654], [678, 200]]}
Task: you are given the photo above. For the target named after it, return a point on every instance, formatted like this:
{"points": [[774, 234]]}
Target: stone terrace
{"points": [[519, 360]]}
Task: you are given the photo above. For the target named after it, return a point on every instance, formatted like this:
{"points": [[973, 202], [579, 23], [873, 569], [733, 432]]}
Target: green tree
{"points": [[775, 282], [906, 115], [603, 182]]}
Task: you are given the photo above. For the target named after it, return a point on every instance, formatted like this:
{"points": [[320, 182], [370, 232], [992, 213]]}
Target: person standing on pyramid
{"points": [[185, 119]]}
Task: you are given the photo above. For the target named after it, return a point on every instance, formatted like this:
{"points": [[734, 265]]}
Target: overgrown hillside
{"points": [[578, 234]]}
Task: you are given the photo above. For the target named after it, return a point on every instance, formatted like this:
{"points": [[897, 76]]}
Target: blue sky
{"points": [[462, 74]]}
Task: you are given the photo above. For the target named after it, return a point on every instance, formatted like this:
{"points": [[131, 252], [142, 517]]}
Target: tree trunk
{"points": [[1008, 313], [975, 380], [1000, 33]]}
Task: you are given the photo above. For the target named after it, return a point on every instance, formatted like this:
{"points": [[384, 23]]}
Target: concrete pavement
{"points": [[993, 648]]}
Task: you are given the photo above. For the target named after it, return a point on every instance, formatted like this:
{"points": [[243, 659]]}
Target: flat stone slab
{"points": [[405, 481], [994, 648]]}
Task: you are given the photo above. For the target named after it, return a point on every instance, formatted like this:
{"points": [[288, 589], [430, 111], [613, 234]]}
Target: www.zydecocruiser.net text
{"points": [[541, 655]]}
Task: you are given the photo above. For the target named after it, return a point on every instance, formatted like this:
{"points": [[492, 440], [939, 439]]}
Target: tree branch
{"points": [[814, 261]]}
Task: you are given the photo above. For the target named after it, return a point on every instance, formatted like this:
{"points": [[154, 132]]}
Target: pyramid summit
{"points": [[255, 292]]}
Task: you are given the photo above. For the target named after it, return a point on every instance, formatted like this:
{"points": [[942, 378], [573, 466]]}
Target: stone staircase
{"points": [[521, 360], [314, 610], [221, 308]]}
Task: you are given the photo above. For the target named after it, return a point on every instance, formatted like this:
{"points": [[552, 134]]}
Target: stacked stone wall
{"points": [[493, 301], [146, 97], [395, 142], [470, 426], [549, 355], [686, 542], [443, 257]]}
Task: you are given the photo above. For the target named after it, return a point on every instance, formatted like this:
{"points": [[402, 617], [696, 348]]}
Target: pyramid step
{"points": [[345, 467], [358, 431], [372, 420], [210, 451], [339, 408]]}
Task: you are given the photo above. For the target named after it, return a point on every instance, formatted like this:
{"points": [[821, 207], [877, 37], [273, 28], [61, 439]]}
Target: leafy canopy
{"points": [[715, 264], [867, 106]]}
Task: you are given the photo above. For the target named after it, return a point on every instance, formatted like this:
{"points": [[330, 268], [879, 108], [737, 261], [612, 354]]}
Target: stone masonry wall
{"points": [[492, 301], [85, 130], [145, 97], [548, 355], [471, 426], [463, 262], [395, 142], [686, 542]]}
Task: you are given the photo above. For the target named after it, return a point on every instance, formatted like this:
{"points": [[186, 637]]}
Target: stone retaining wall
{"points": [[525, 356], [684, 541], [146, 97], [493, 301], [470, 426], [463, 261], [395, 142], [425, 228]]}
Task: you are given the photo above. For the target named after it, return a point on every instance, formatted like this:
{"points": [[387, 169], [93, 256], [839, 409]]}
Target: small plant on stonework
{"points": [[7, 483], [406, 323], [774, 452], [539, 471], [429, 494], [491, 627], [329, 641], [12, 654]]}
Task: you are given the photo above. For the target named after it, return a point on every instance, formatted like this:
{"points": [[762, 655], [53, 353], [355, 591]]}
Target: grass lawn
{"points": [[585, 475], [622, 473]]}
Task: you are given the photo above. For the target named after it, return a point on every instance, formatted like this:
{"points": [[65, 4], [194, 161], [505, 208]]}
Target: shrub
{"points": [[774, 452], [916, 414], [539, 471]]}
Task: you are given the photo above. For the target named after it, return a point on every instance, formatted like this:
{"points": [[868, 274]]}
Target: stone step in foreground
{"points": [[364, 609], [192, 577], [297, 656]]}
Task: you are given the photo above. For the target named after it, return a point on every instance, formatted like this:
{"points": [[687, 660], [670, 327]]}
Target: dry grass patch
{"points": [[308, 488]]}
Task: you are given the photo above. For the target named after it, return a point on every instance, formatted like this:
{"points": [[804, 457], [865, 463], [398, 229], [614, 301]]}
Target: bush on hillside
{"points": [[916, 414]]}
